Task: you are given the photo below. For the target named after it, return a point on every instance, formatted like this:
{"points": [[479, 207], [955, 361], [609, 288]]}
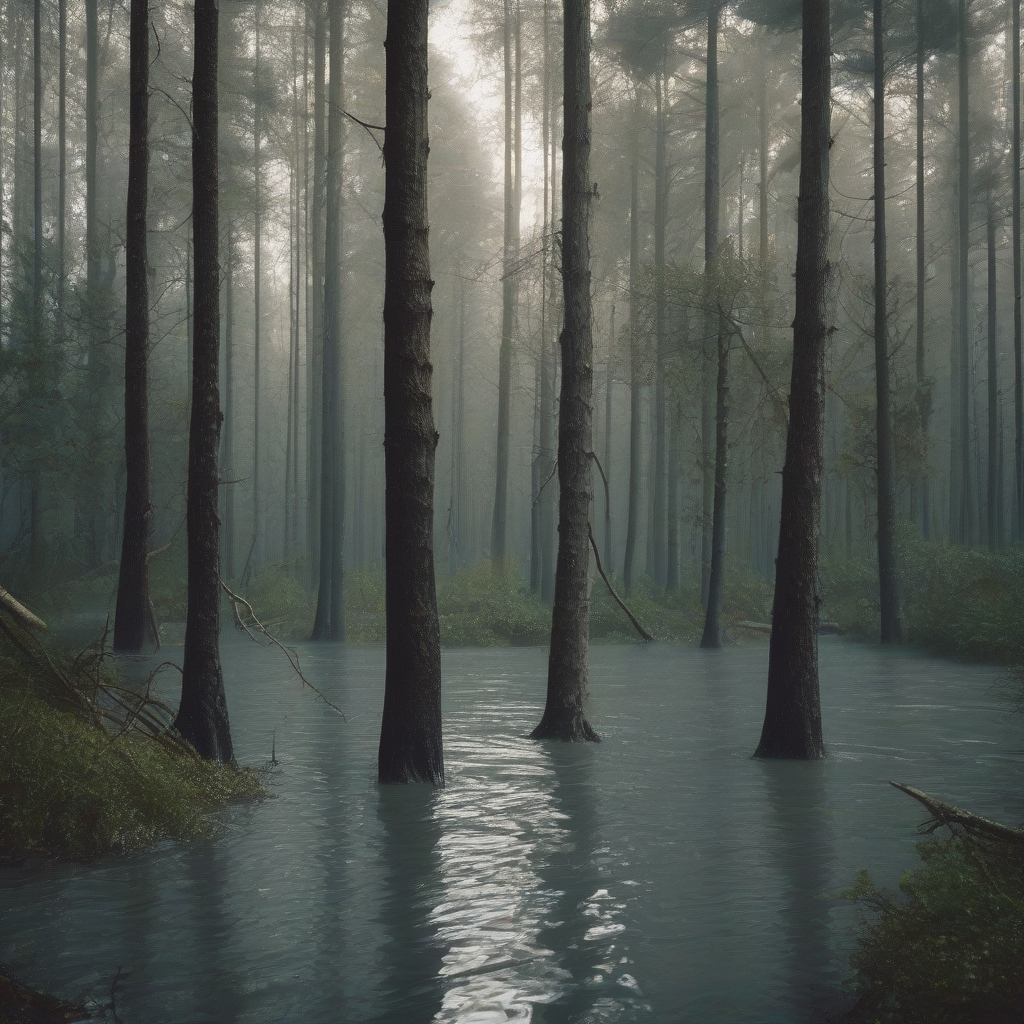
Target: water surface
{"points": [[662, 875]]}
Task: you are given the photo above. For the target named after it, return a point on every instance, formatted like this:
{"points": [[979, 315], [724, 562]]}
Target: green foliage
{"points": [[70, 789], [951, 949], [280, 602], [955, 600], [485, 605]]}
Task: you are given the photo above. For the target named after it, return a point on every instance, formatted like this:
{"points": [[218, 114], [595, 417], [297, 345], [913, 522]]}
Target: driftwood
{"points": [[960, 820], [19, 612]]}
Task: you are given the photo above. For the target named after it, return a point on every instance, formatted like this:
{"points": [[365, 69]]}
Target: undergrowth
{"points": [[954, 600], [73, 787], [949, 948]]}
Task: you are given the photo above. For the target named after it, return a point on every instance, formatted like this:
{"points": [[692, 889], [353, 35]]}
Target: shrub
{"points": [[950, 950]]}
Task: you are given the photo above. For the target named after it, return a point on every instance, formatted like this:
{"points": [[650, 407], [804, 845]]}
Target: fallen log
{"points": [[956, 818], [18, 611]]}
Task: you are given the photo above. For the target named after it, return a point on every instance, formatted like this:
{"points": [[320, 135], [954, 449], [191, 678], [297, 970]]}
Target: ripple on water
{"points": [[662, 875]]}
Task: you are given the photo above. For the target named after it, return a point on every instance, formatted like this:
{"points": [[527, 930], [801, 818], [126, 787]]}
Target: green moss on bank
{"points": [[950, 948], [69, 789]]}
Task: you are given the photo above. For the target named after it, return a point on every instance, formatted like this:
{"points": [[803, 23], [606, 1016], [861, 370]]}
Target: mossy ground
{"points": [[949, 949], [70, 789]]}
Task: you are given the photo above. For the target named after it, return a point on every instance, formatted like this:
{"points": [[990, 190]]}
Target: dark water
{"points": [[662, 875]]}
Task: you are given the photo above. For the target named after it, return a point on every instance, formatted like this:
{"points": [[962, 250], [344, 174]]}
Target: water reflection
{"points": [[800, 837], [410, 955], [499, 821]]}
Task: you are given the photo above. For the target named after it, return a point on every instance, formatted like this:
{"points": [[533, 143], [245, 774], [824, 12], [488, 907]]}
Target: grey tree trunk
{"points": [[410, 740], [256, 547], [564, 716], [792, 723], [712, 205], [329, 623], [62, 162], [202, 717], [499, 523], [888, 584], [133, 610], [924, 398], [314, 322], [995, 467], [660, 204], [960, 475], [228, 444], [1018, 363], [711, 637], [635, 375], [609, 382]]}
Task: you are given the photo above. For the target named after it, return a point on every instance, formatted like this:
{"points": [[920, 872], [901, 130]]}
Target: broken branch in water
{"points": [[950, 816], [290, 654], [647, 638]]}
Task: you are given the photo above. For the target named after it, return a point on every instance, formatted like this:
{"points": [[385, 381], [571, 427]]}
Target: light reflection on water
{"points": [[662, 875]]}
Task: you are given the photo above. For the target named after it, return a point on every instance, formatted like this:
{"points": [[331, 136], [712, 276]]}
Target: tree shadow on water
{"points": [[584, 927], [803, 854], [410, 986]]}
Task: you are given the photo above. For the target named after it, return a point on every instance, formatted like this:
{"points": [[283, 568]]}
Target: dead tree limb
{"points": [[18, 611], [293, 658], [950, 816], [644, 635]]}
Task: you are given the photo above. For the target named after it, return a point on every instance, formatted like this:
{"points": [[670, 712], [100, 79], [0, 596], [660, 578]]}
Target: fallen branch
{"points": [[950, 816], [645, 636], [17, 610], [293, 658]]}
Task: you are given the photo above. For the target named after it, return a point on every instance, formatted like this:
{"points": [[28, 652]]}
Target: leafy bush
{"points": [[955, 600], [951, 949]]}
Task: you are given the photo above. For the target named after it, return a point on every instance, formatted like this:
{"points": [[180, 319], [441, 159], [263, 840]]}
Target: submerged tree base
{"points": [[569, 729]]}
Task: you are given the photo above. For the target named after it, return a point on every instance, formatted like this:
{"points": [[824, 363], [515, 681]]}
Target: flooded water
{"points": [[662, 875]]}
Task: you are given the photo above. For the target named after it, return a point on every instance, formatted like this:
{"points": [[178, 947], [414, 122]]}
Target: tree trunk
{"points": [[329, 623], [792, 723], [672, 501], [550, 368], [455, 546], [499, 523], [711, 217], [1018, 389], [762, 156], [635, 374], [314, 323], [885, 452], [132, 612], [960, 476], [203, 714], [256, 547], [410, 739], [924, 398], [228, 467], [660, 204], [711, 638], [994, 461], [609, 381], [62, 163], [564, 716]]}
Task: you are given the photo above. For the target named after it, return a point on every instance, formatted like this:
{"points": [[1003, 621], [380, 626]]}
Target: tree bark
{"points": [[132, 613], [410, 740], [329, 623], [994, 475], [256, 547], [314, 323], [564, 716], [888, 585], [635, 375], [792, 723], [1018, 362], [609, 381], [960, 475], [202, 717], [660, 217], [499, 523], [228, 459], [711, 637], [924, 398], [62, 162]]}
